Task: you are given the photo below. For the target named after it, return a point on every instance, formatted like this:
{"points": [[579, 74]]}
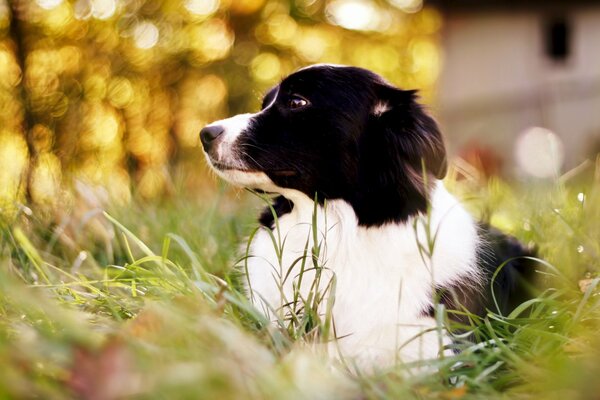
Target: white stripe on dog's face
{"points": [[226, 152], [229, 154]]}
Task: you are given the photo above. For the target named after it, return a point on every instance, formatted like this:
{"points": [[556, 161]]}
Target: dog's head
{"points": [[336, 132]]}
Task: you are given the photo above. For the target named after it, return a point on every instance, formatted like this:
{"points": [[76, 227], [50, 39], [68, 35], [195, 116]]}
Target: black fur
{"points": [[281, 206], [512, 284], [508, 270], [338, 148]]}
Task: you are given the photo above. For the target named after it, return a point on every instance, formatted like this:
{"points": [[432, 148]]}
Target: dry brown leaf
{"points": [[105, 374], [584, 284]]}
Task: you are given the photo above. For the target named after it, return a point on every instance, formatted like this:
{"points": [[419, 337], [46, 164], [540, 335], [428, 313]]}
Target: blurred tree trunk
{"points": [[17, 35]]}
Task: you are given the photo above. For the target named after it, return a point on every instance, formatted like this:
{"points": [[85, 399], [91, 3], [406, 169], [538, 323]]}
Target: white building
{"points": [[513, 64]]}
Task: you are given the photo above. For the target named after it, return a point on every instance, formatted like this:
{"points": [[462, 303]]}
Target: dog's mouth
{"points": [[284, 173], [227, 167]]}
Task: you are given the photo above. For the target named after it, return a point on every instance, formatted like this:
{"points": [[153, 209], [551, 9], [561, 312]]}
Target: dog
{"points": [[356, 166]]}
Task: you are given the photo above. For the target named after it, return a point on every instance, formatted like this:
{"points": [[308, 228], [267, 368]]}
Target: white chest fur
{"points": [[383, 281]]}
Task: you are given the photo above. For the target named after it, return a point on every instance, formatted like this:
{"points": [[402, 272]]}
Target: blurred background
{"points": [[114, 92]]}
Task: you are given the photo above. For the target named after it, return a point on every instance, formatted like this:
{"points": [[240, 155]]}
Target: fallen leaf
{"points": [[584, 284], [105, 374], [455, 393]]}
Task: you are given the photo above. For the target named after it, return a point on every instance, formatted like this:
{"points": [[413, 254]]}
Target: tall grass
{"points": [[141, 301]]}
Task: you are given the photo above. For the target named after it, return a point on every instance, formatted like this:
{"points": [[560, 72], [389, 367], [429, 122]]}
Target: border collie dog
{"points": [[357, 164]]}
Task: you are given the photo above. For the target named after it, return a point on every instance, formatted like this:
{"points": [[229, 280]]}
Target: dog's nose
{"points": [[208, 134]]}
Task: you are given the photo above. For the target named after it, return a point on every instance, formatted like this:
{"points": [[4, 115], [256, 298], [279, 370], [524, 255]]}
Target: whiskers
{"points": [[243, 153]]}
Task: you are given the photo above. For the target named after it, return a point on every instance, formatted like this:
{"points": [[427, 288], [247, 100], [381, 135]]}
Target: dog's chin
{"points": [[240, 176], [248, 179]]}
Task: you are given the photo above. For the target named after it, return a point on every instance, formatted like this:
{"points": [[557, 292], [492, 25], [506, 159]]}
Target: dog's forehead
{"points": [[327, 77], [299, 78], [316, 75]]}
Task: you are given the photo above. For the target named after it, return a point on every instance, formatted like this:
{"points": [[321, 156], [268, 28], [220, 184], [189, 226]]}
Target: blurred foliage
{"points": [[114, 92]]}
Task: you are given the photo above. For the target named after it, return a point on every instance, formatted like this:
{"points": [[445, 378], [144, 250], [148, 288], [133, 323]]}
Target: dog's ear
{"points": [[413, 134], [401, 153]]}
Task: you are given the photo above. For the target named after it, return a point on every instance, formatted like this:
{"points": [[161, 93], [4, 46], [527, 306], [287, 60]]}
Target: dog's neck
{"points": [[339, 210]]}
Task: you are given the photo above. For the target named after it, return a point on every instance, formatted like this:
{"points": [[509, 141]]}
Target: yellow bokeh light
{"points": [[151, 183], [425, 59], [244, 52], [49, 4], [145, 35], [11, 117], [82, 9], [202, 100], [355, 14], [120, 92], [118, 186], [429, 20], [212, 40], [282, 28], [103, 9], [188, 128], [138, 142], [102, 127], [10, 73], [46, 179], [266, 67], [408, 6], [13, 163], [246, 6], [384, 59], [95, 86], [211, 91], [312, 44], [114, 181], [308, 7], [59, 18], [70, 59], [202, 7], [58, 105]]}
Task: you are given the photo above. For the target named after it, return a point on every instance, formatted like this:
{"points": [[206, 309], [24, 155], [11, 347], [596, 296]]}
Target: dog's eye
{"points": [[296, 102]]}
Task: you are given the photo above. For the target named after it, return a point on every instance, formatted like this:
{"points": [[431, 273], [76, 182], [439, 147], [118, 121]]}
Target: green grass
{"points": [[142, 302]]}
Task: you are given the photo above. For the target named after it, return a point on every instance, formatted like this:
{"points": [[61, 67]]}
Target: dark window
{"points": [[558, 38]]}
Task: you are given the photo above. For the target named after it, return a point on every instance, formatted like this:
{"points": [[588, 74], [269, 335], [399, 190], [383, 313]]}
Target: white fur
{"points": [[250, 179], [383, 285], [233, 127], [244, 178], [380, 108]]}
